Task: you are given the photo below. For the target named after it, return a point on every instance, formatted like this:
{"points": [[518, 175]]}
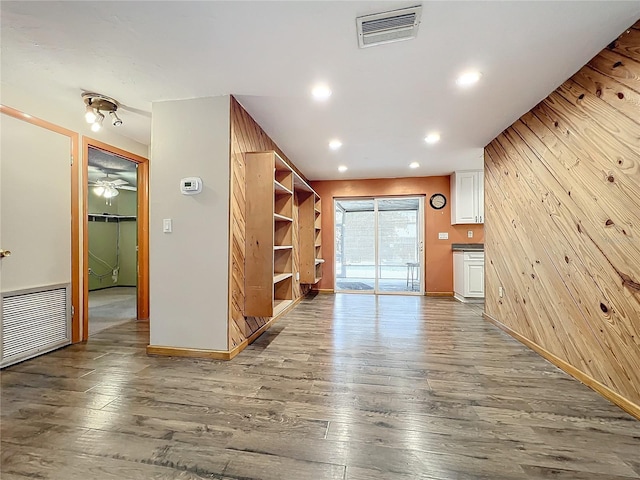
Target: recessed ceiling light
{"points": [[321, 92], [335, 144], [414, 165], [468, 78], [342, 168], [433, 137]]}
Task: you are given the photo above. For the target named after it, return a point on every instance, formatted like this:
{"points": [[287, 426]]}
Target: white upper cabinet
{"points": [[467, 197]]}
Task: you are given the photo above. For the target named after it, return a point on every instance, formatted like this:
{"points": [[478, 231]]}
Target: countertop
{"points": [[467, 247]]}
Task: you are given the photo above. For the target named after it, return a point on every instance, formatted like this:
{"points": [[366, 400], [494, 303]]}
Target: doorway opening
{"points": [[379, 245], [115, 238]]}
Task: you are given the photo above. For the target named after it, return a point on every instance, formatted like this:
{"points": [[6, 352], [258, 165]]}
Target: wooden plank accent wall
{"points": [[562, 229], [248, 136]]}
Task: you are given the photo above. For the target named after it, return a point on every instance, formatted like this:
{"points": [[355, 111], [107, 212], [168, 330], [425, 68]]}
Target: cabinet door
{"points": [[466, 197], [474, 279], [480, 200]]}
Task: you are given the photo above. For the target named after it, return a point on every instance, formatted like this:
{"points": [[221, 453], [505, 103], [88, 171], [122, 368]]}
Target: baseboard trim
{"points": [[323, 290], [218, 354], [112, 286], [439, 294], [469, 300], [625, 404], [188, 352]]}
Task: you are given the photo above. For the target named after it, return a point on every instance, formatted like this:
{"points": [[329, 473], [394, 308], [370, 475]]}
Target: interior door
{"points": [[35, 227]]}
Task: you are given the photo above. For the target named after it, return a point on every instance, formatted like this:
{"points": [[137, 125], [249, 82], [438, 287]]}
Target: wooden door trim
{"points": [[142, 224], [75, 211]]}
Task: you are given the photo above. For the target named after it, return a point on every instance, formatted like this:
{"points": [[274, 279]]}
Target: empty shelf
{"points": [[281, 218], [280, 305], [278, 277], [279, 188]]}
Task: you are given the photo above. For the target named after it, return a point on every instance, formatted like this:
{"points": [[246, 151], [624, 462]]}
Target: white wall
{"points": [[189, 267]]}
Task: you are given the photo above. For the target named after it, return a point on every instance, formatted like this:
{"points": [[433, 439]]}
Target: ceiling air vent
{"points": [[388, 27]]}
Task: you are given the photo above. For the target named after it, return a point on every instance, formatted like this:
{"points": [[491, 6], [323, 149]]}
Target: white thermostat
{"points": [[190, 185]]}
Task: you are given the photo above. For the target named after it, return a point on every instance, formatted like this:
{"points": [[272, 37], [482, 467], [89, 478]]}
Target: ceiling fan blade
{"points": [[127, 187], [118, 181]]}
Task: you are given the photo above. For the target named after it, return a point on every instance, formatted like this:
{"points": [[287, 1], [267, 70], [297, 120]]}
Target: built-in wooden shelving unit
{"points": [[273, 191], [269, 235], [317, 239], [308, 203]]}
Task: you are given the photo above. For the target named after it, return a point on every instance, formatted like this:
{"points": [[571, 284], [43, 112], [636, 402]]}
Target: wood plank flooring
{"points": [[351, 387]]}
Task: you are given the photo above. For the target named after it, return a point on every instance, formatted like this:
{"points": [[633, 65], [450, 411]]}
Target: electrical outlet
{"points": [[470, 234], [500, 292]]}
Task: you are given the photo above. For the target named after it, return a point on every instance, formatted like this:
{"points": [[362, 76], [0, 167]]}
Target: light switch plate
{"points": [[443, 236], [167, 225]]}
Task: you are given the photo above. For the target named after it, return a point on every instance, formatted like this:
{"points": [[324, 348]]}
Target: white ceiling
{"points": [[102, 164], [270, 54]]}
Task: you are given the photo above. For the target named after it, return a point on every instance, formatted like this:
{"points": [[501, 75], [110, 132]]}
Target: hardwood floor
{"points": [[351, 387]]}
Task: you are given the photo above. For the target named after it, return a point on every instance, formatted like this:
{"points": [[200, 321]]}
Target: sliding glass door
{"points": [[379, 245]]}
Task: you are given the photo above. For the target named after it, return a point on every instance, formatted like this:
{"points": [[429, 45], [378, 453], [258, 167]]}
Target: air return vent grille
{"points": [[34, 322], [388, 27]]}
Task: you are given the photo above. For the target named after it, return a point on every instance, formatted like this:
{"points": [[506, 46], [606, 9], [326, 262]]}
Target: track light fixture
{"points": [[97, 103], [90, 115], [115, 120], [97, 124]]}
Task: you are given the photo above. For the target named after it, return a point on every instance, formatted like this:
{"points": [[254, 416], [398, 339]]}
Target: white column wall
{"points": [[189, 267]]}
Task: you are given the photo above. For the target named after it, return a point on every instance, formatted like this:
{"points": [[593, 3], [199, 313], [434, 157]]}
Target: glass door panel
{"points": [[399, 255], [355, 245]]}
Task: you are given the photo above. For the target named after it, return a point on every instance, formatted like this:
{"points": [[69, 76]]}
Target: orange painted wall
{"points": [[439, 258]]}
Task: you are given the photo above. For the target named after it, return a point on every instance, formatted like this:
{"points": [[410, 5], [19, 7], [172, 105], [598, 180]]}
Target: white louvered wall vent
{"points": [[388, 27], [34, 323]]}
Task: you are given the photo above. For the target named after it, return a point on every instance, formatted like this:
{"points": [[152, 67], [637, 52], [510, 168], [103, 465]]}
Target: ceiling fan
{"points": [[108, 187]]}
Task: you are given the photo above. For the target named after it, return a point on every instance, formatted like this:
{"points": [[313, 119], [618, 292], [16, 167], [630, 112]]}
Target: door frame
{"points": [[75, 213], [142, 301], [420, 218]]}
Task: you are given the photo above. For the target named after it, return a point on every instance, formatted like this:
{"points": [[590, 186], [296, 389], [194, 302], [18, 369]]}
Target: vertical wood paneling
{"points": [[562, 237], [247, 136]]}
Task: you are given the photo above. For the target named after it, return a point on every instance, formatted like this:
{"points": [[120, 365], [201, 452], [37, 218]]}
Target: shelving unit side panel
{"points": [[307, 236], [295, 239], [259, 235]]}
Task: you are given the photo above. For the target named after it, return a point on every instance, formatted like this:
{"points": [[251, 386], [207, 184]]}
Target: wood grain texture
{"points": [[562, 237], [630, 408], [344, 387], [247, 136], [259, 234]]}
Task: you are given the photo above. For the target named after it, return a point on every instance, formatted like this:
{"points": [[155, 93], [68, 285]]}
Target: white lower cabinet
{"points": [[468, 276]]}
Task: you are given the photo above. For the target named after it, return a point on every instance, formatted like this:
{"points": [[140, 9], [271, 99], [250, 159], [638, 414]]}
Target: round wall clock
{"points": [[438, 201]]}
